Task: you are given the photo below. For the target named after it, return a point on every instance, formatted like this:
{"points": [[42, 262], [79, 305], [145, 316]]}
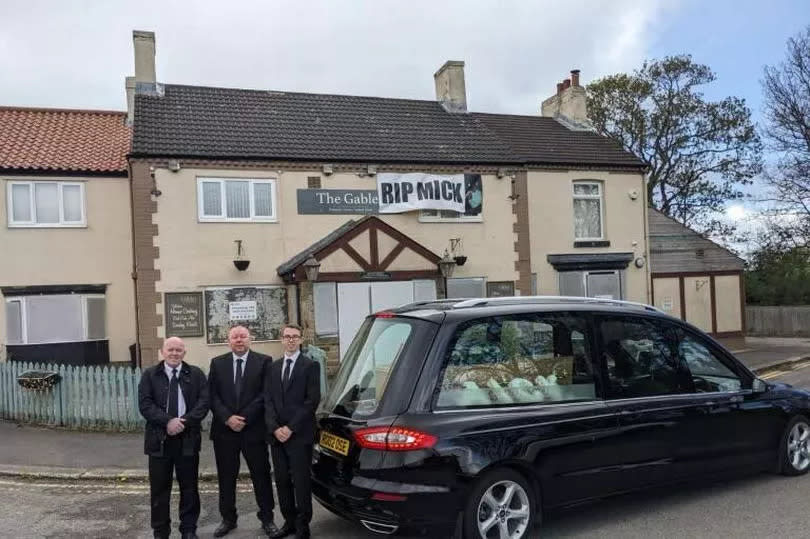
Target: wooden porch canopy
{"points": [[368, 249]]}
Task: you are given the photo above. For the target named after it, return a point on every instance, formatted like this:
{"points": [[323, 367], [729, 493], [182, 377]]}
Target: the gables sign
{"points": [[398, 193]]}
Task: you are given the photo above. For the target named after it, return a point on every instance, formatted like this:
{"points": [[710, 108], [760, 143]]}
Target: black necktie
{"points": [[286, 376], [174, 401], [237, 383]]}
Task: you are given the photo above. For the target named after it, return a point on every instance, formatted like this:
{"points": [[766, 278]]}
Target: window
{"points": [[324, 297], [466, 287], [45, 204], [236, 199], [709, 374], [595, 284], [55, 318], [642, 358], [515, 360], [473, 204], [588, 211]]}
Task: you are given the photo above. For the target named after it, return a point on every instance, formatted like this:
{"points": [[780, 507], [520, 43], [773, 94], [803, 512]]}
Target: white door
{"points": [[358, 300]]}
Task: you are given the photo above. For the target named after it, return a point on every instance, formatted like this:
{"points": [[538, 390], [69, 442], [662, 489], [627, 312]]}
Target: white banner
{"points": [[399, 193]]}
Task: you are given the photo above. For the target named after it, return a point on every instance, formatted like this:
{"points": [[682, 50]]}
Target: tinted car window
{"points": [[519, 359], [708, 372], [642, 357]]}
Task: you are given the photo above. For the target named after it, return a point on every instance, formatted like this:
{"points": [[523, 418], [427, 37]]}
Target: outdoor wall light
{"points": [[639, 262], [328, 169], [311, 268], [174, 165], [447, 265], [240, 262]]}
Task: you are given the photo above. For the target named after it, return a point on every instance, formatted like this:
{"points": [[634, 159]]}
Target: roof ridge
{"points": [[70, 111]]}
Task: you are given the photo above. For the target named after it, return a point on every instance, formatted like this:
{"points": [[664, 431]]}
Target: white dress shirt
{"points": [[244, 359], [181, 402], [294, 357]]}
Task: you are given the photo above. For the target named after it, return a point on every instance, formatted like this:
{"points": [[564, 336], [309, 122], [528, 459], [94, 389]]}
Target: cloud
{"points": [[76, 54]]}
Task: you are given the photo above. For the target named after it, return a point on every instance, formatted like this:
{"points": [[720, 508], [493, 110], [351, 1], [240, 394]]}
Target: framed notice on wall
{"points": [[263, 310], [183, 314]]}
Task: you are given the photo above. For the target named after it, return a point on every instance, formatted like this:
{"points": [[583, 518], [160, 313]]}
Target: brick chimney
{"points": [[569, 103], [144, 46], [451, 91]]}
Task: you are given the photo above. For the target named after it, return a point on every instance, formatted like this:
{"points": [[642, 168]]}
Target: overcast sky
{"points": [[75, 54]]}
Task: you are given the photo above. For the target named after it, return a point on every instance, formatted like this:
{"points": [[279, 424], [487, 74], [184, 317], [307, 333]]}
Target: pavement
{"points": [[53, 453]]}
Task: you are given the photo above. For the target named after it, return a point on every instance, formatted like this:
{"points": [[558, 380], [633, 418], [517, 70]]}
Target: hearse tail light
{"points": [[394, 439], [384, 314]]}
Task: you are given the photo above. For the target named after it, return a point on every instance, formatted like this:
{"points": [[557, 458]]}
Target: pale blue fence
{"points": [[86, 397]]}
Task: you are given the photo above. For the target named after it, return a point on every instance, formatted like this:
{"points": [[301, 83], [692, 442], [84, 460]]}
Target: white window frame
{"points": [[24, 318], [32, 205], [425, 217], [222, 218], [599, 197]]}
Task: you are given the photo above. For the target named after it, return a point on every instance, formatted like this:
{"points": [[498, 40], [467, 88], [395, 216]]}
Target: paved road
{"points": [[758, 506]]}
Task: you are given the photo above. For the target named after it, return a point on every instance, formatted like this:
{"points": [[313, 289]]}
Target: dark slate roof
{"points": [[300, 258], [203, 122], [540, 139], [674, 248]]}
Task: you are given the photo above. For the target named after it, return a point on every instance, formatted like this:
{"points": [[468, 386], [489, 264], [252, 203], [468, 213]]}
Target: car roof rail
{"points": [[529, 300]]}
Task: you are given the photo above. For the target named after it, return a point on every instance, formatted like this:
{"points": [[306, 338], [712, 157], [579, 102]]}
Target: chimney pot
{"points": [[575, 77], [559, 88], [566, 84]]}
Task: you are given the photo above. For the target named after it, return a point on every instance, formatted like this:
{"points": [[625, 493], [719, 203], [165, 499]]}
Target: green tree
{"points": [[699, 152], [778, 276]]}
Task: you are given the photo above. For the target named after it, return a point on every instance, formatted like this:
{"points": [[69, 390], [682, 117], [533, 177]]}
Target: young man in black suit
{"points": [[235, 380], [173, 398], [292, 393]]}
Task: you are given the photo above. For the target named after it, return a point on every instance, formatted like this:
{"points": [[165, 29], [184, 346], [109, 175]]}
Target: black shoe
{"points": [[189, 535], [302, 533], [284, 531], [224, 528], [270, 528]]}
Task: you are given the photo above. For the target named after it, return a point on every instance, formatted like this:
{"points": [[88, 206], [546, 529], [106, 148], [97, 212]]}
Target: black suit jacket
{"points": [[295, 405], [153, 399], [251, 400]]}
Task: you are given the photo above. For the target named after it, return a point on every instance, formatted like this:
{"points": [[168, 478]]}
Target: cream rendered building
{"points": [[238, 195], [66, 239]]}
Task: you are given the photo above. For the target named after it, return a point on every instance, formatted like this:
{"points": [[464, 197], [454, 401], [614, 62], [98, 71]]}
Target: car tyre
{"points": [[794, 447], [502, 499]]}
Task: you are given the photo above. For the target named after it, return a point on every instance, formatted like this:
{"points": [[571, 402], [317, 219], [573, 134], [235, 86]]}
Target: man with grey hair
{"points": [[173, 398]]}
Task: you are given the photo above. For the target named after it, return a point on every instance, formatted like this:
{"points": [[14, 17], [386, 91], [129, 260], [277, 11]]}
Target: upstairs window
{"points": [[588, 213], [45, 204], [473, 204], [241, 200]]}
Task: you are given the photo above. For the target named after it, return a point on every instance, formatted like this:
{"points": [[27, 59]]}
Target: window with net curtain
{"points": [[236, 199], [588, 210], [46, 203]]}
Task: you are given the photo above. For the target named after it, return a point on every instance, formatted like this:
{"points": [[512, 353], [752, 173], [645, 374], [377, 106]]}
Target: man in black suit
{"points": [[173, 398], [292, 392], [235, 380]]}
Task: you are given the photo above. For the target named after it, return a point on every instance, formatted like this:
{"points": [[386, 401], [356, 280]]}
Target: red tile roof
{"points": [[63, 140]]}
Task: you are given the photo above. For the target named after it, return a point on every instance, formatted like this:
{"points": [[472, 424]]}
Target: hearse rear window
{"points": [[517, 359]]}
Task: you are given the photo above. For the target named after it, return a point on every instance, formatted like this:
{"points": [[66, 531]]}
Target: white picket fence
{"points": [[86, 397]]}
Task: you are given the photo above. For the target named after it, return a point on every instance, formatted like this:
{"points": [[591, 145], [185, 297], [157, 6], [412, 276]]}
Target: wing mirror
{"points": [[759, 386]]}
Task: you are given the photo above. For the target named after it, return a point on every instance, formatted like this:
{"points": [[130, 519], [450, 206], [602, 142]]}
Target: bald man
{"points": [[173, 398]]}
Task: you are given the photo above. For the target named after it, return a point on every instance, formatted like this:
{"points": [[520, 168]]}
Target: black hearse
{"points": [[472, 417]]}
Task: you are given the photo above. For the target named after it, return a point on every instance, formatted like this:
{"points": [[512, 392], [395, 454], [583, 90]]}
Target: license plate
{"points": [[335, 443]]}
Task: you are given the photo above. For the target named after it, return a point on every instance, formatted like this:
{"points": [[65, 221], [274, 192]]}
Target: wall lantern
{"points": [[311, 268], [447, 265], [240, 262]]}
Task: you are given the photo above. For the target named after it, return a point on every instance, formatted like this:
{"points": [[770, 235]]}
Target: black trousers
{"points": [[226, 453], [161, 470], [292, 462]]}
